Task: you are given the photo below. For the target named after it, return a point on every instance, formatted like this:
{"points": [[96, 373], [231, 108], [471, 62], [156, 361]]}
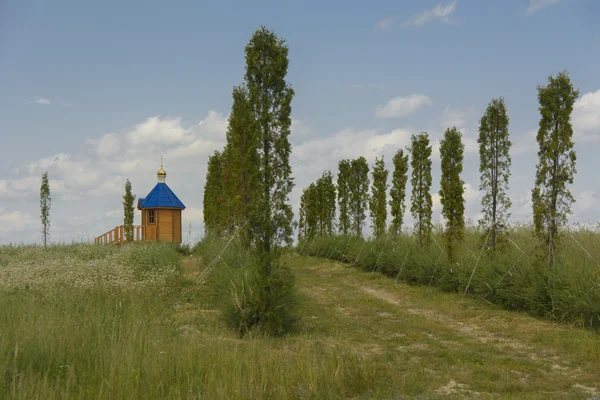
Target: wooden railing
{"points": [[117, 235]]}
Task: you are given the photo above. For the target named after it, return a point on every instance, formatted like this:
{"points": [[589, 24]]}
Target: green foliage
{"points": [[128, 210], [237, 287], [213, 210], [317, 208], [452, 189], [398, 191], [326, 190], [343, 189], [494, 166], [555, 170], [45, 201], [377, 204], [269, 98], [308, 212], [358, 185], [421, 201], [513, 279], [240, 164]]}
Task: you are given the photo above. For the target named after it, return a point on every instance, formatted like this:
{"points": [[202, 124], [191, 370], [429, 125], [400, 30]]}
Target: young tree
{"points": [[420, 152], [271, 216], [128, 212], [358, 185], [214, 197], [452, 188], [240, 159], [377, 205], [555, 170], [309, 219], [398, 191], [343, 190], [326, 199], [494, 166], [45, 201]]}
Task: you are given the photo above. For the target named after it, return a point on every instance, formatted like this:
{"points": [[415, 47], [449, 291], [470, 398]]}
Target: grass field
{"points": [[88, 322]]}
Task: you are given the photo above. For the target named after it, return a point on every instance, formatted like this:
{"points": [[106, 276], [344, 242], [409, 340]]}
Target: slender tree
{"points": [[358, 185], [421, 201], [494, 166], [128, 212], [240, 159], [377, 204], [452, 189], [214, 196], [309, 212], [555, 170], [326, 203], [343, 190], [271, 216], [398, 191], [45, 201]]}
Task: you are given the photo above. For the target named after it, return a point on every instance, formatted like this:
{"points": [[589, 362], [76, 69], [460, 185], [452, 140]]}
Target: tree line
{"points": [[551, 196]]}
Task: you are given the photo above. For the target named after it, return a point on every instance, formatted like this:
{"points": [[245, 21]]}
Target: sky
{"points": [[95, 92]]}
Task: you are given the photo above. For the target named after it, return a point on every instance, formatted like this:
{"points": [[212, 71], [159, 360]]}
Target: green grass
{"points": [[130, 334], [514, 279]]}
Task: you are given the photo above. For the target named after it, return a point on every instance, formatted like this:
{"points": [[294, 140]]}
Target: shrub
{"points": [[235, 285]]}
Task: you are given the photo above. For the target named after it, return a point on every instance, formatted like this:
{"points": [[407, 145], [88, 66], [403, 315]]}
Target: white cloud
{"points": [[458, 117], [439, 12], [113, 213], [349, 143], [537, 5], [42, 101], [524, 143], [586, 116], [160, 131], [402, 106], [385, 23], [14, 221], [108, 145]]}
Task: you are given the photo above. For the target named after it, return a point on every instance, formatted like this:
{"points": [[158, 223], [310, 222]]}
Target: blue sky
{"points": [[93, 93]]}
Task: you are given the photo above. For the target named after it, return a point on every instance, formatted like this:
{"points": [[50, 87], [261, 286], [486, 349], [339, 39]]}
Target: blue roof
{"points": [[161, 196]]}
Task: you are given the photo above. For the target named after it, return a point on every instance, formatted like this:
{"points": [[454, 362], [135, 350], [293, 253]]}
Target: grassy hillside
{"points": [[517, 278], [137, 322]]}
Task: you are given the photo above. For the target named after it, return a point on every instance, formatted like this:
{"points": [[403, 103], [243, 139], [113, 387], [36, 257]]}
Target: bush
{"points": [[247, 300], [513, 278]]}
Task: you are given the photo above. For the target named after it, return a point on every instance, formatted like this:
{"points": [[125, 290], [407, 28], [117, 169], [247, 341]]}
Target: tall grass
{"points": [[514, 278], [237, 288], [87, 322]]}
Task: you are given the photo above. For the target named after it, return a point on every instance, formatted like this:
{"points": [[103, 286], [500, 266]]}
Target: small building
{"points": [[161, 212]]}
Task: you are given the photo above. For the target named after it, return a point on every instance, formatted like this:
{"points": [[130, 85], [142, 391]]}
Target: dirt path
{"points": [[464, 349]]}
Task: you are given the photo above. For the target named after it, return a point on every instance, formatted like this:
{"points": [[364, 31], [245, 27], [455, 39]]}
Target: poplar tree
{"points": [[421, 201], [214, 196], [45, 202], [358, 185], [452, 188], [494, 166], [377, 204], [271, 216], [398, 191], [555, 170], [309, 212], [343, 191], [240, 159], [128, 212], [326, 203]]}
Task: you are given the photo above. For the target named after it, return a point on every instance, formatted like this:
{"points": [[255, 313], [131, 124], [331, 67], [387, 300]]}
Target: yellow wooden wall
{"points": [[167, 226]]}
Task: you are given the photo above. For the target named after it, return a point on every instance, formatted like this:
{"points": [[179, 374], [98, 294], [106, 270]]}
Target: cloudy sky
{"points": [[95, 92]]}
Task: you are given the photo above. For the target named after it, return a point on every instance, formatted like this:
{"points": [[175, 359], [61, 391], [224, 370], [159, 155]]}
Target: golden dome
{"points": [[161, 174]]}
